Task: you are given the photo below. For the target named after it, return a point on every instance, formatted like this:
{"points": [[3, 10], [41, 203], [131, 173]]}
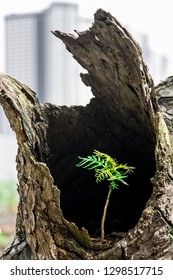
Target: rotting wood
{"points": [[124, 120]]}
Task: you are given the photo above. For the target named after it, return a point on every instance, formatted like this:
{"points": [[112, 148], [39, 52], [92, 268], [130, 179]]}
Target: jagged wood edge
{"points": [[153, 212]]}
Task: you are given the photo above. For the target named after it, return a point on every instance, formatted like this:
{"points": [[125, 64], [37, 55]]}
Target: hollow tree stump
{"points": [[60, 206]]}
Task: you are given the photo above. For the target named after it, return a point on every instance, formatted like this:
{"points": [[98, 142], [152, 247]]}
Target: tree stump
{"points": [[60, 207]]}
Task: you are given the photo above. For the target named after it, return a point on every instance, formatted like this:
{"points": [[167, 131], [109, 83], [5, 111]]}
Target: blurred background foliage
{"points": [[8, 210]]}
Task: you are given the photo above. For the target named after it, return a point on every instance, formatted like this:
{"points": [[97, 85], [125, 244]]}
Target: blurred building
{"points": [[22, 42], [37, 58], [157, 63]]}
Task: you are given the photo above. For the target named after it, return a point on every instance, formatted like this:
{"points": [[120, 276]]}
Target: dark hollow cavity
{"points": [[78, 130]]}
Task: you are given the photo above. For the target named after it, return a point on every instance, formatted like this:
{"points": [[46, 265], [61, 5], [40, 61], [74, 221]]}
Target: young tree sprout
{"points": [[106, 168]]}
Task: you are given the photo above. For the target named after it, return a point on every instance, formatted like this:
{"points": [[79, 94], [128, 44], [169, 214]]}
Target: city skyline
{"points": [[159, 65], [37, 58], [153, 19]]}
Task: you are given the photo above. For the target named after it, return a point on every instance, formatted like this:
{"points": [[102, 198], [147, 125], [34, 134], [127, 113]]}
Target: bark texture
{"points": [[60, 206]]}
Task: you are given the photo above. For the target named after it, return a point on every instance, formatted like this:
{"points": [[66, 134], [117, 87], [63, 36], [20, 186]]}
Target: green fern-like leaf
{"points": [[90, 162], [106, 168], [109, 162], [102, 174]]}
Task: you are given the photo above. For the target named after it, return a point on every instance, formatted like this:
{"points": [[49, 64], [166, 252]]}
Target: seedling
{"points": [[106, 168]]}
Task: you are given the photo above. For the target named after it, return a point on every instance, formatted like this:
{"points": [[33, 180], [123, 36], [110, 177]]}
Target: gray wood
{"points": [[60, 206]]}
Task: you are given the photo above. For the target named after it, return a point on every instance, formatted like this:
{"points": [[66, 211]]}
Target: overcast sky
{"points": [[148, 16]]}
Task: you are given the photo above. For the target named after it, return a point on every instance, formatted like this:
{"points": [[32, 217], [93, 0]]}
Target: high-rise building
{"points": [[157, 63], [60, 69], [37, 58], [22, 48]]}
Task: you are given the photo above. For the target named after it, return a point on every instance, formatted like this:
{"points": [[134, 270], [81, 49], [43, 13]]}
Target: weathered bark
{"points": [[60, 206]]}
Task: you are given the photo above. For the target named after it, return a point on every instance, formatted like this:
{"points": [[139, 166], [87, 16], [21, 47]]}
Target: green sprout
{"points": [[106, 168]]}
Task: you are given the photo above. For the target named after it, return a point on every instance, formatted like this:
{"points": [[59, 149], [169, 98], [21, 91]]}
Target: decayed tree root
{"points": [[123, 120]]}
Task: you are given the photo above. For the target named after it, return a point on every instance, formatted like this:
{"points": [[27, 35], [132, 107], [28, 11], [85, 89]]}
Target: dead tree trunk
{"points": [[60, 206]]}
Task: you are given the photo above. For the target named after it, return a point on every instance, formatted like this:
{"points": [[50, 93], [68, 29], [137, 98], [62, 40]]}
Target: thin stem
{"points": [[104, 214]]}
